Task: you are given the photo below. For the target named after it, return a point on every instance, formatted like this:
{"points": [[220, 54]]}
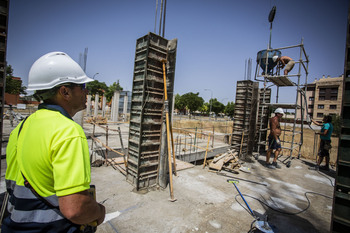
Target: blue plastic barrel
{"points": [[261, 58]]}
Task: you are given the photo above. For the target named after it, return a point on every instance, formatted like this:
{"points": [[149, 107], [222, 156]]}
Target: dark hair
{"points": [[45, 94], [48, 94], [328, 118]]}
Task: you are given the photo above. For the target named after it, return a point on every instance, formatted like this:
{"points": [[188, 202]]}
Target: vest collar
{"points": [[54, 107]]}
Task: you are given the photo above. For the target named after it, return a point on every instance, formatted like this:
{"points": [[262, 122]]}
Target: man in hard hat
{"points": [[284, 61], [274, 140], [48, 165]]}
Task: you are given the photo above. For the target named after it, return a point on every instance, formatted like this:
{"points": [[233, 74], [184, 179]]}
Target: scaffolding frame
{"points": [[284, 81]]}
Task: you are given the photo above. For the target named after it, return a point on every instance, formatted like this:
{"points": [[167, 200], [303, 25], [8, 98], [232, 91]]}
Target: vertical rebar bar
{"points": [[106, 145], [212, 144], [155, 21], [160, 17], [92, 142], [164, 14]]}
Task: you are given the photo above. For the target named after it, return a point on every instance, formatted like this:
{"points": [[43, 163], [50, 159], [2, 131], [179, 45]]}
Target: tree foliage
{"points": [[111, 89], [13, 86], [337, 123], [204, 108], [179, 104], [230, 109], [216, 106], [190, 100], [95, 87]]}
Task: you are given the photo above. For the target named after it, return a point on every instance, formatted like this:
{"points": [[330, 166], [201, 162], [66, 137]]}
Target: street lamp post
{"points": [[211, 100], [93, 77]]}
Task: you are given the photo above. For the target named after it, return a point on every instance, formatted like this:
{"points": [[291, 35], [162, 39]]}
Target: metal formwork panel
{"points": [[4, 10], [341, 199], [244, 117], [147, 109]]}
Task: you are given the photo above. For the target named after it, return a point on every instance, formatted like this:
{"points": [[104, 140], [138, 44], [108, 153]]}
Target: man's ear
{"points": [[65, 92]]}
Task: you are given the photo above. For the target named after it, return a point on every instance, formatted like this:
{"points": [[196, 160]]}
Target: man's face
{"points": [[79, 93], [279, 115]]}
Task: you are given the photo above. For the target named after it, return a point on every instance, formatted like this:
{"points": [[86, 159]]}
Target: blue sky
{"points": [[215, 38]]}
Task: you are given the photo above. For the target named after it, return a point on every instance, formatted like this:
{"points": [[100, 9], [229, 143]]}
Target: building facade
{"points": [[323, 97]]}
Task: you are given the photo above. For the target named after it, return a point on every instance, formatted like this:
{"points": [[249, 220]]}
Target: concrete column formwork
{"points": [[147, 146], [115, 106]]}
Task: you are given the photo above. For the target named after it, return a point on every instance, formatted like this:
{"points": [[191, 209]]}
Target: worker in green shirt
{"points": [[325, 142], [48, 165]]}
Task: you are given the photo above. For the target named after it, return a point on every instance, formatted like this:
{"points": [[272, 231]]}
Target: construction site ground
{"points": [[299, 199]]}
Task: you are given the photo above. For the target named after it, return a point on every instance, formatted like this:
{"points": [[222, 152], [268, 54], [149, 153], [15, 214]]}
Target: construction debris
{"points": [[98, 120], [227, 161], [97, 163]]}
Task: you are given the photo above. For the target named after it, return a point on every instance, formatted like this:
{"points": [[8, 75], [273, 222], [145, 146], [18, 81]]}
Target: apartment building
{"points": [[323, 97]]}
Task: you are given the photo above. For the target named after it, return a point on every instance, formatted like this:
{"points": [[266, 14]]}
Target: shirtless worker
{"points": [[274, 141], [284, 61]]}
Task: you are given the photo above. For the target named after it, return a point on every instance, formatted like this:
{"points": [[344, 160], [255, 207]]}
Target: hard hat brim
{"points": [[79, 80]]}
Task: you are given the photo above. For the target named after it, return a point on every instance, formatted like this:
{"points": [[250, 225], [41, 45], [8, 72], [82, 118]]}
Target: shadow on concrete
{"points": [[332, 173], [289, 223]]}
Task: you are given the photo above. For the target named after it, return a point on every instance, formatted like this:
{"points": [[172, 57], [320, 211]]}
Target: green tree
{"points": [[216, 106], [337, 123], [179, 103], [111, 89], [13, 86], [230, 109], [204, 108], [95, 87], [192, 101]]}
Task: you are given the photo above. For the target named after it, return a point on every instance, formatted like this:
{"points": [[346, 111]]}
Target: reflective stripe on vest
{"points": [[39, 216], [24, 206]]}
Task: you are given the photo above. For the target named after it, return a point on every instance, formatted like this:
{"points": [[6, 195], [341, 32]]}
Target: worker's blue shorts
{"points": [[273, 145]]}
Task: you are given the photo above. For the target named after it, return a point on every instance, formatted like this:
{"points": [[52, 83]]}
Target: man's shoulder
{"points": [[274, 119], [59, 123]]}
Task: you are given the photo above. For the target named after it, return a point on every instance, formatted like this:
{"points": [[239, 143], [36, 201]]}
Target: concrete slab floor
{"points": [[206, 202]]}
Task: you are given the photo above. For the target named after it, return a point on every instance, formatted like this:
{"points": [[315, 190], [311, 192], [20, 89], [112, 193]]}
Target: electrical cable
{"points": [[327, 178], [280, 211]]}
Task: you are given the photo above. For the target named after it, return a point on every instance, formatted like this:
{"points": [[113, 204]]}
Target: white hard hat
{"points": [[274, 58], [53, 69], [279, 110]]}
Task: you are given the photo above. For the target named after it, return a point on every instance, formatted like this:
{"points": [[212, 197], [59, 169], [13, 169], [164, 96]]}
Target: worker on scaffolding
{"points": [[325, 143], [274, 140], [284, 61], [48, 163]]}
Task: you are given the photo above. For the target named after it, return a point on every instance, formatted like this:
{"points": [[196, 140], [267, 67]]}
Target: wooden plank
{"points": [[228, 158], [219, 157], [181, 165], [216, 166], [118, 160]]}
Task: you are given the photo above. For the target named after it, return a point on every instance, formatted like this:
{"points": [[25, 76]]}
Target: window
{"points": [[334, 97], [311, 106], [332, 106], [334, 90], [322, 90], [319, 114], [321, 98], [311, 98], [320, 106]]}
